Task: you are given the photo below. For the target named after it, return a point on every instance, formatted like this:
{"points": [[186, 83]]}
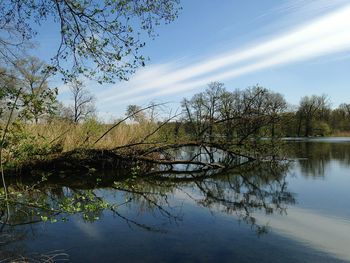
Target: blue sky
{"points": [[297, 48]]}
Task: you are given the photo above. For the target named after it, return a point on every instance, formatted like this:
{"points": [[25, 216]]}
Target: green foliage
{"points": [[90, 130], [315, 117], [21, 145], [93, 126], [135, 170], [84, 202], [36, 99], [38, 104], [100, 39], [322, 129], [9, 91], [34, 204], [24, 88]]}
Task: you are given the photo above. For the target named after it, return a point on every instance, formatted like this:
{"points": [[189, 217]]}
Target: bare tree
{"points": [[242, 114], [136, 113], [309, 109], [83, 102], [8, 87], [345, 107]]}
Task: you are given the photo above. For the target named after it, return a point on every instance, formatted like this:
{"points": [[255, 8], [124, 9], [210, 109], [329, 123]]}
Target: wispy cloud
{"points": [[327, 34], [302, 8]]}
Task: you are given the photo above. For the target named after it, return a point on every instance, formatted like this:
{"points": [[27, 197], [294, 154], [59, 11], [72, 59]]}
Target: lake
{"points": [[290, 211]]}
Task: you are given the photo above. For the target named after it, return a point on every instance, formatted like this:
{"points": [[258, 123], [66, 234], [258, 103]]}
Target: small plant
{"points": [[21, 145], [135, 170]]}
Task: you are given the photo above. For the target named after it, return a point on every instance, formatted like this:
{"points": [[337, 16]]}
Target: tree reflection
{"points": [[240, 191], [152, 201], [257, 186], [314, 157]]}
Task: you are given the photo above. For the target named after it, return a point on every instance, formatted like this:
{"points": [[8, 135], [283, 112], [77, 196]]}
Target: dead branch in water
{"points": [[151, 156]]}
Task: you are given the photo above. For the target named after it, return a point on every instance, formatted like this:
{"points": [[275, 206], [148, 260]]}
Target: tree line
{"points": [[257, 111], [315, 117], [215, 111]]}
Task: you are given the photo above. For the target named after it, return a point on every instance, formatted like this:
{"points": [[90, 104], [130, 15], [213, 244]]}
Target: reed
{"points": [[341, 134], [71, 136]]}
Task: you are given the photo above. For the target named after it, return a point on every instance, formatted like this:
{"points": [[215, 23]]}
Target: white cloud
{"points": [[322, 232], [88, 229], [300, 8], [325, 35], [306, 51]]}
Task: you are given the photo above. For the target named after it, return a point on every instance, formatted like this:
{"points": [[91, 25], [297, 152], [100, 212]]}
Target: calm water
{"points": [[259, 212]]}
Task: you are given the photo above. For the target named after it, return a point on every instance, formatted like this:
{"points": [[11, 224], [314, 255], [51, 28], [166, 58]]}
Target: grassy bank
{"points": [[71, 136], [340, 134], [62, 145]]}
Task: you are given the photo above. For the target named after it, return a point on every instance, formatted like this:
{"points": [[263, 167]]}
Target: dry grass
{"points": [[341, 134], [72, 136]]}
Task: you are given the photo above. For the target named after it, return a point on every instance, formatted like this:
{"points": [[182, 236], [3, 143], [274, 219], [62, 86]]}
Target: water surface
{"points": [[258, 212]]}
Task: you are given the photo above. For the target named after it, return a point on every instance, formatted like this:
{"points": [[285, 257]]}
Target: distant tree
{"points": [[27, 81], [340, 117], [136, 114], [212, 97], [8, 91], [152, 112], [345, 107], [277, 107], [240, 114], [194, 113], [310, 109], [83, 102], [63, 112], [259, 111], [37, 98], [227, 110]]}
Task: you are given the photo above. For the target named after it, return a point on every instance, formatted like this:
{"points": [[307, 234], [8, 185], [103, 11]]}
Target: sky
{"points": [[294, 47]]}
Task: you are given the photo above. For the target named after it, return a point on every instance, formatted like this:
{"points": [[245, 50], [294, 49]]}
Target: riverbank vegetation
{"points": [[102, 41], [38, 128]]}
